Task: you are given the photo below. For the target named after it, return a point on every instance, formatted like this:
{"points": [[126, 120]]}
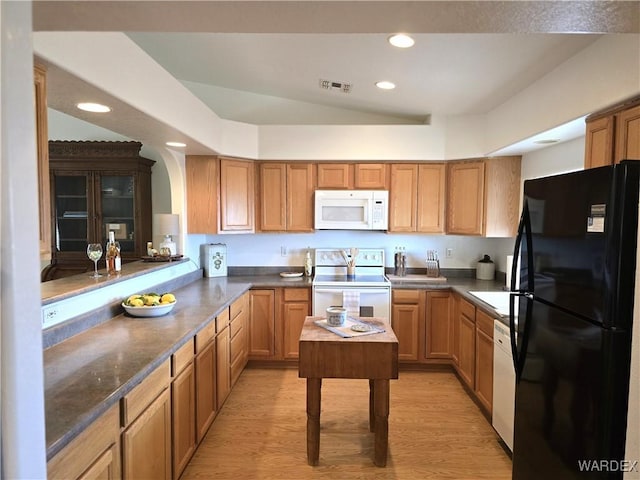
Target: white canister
{"points": [[336, 316], [485, 269], [214, 259]]}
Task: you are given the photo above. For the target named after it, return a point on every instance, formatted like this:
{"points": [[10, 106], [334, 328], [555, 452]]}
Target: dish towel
{"points": [[351, 301]]}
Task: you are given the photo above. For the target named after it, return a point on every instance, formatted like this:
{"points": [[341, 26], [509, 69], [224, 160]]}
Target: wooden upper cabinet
{"points": [[628, 135], [286, 197], [42, 145], [370, 176], [335, 175], [465, 199], [403, 197], [599, 142], [431, 197], [613, 135], [272, 186], [417, 196], [483, 197], [300, 192], [202, 182], [349, 176], [237, 194]]}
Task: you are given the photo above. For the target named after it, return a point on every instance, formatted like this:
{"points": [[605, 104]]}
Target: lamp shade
{"points": [[166, 224]]}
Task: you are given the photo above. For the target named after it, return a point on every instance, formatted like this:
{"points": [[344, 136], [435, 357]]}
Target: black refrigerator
{"points": [[571, 320]]}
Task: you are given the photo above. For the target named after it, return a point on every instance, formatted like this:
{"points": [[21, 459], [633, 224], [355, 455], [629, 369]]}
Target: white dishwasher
{"points": [[504, 383]]}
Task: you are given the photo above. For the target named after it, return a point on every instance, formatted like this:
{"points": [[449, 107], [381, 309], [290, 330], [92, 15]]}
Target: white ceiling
{"points": [[261, 62]]}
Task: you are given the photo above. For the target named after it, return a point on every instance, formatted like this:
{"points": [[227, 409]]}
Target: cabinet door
{"points": [[431, 197], [273, 197], [403, 197], [599, 140], [184, 418], [438, 325], [467, 354], [455, 331], [236, 196], [628, 135], [293, 316], [484, 369], [370, 176], [202, 181], [205, 372], [465, 199], [300, 190], [262, 318], [42, 144], [73, 212], [104, 468], [146, 444], [405, 321], [117, 209], [335, 175], [223, 367]]}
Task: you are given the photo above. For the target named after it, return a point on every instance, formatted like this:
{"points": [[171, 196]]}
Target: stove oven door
{"points": [[377, 298]]}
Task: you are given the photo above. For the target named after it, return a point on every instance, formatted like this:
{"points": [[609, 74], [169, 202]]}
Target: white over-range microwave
{"points": [[352, 210]]}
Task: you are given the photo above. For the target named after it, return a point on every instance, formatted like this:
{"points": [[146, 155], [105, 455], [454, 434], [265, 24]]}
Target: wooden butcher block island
{"points": [[324, 354]]}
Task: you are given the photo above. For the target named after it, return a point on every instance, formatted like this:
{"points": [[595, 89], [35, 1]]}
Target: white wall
{"points": [[562, 158]]}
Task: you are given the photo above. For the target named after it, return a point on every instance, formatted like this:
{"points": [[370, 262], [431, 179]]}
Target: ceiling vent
{"points": [[331, 85]]}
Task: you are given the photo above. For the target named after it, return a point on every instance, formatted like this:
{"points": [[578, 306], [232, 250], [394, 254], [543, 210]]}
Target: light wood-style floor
{"points": [[435, 432]]}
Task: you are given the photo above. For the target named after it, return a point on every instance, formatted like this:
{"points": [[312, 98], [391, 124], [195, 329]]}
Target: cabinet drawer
{"points": [[205, 335], [182, 357], [484, 322], [467, 309], [222, 320], [141, 396], [238, 306], [236, 325], [237, 345], [296, 294], [406, 296]]}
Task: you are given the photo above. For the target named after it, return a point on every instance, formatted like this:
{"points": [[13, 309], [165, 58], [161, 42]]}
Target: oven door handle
{"points": [[361, 290]]}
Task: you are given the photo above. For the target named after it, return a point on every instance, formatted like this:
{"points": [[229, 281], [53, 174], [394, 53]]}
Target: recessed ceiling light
{"points": [[175, 144], [401, 40], [93, 107], [385, 85]]}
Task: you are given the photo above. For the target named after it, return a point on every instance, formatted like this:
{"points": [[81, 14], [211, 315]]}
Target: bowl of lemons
{"points": [[149, 304]]}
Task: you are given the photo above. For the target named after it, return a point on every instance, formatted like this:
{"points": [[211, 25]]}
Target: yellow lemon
{"points": [[151, 300], [131, 298], [136, 302], [168, 298]]}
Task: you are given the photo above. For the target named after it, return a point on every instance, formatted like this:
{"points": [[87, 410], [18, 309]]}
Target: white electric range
{"points": [[367, 293]]}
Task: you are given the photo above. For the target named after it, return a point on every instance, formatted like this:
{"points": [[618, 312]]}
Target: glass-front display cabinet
{"points": [[97, 187]]}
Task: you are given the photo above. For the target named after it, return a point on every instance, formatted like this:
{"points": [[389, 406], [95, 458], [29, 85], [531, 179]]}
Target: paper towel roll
{"points": [[508, 272]]}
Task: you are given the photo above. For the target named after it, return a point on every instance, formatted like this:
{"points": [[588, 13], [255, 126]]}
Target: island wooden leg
{"points": [[381, 411], [313, 420], [372, 417]]}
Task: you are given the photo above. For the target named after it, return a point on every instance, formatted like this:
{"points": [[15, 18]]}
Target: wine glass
{"points": [[94, 252]]}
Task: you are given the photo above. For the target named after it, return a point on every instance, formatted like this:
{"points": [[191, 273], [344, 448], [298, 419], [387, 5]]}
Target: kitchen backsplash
{"points": [[268, 249]]}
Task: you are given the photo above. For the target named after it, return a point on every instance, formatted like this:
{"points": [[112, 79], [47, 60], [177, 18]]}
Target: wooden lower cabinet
{"points": [[296, 306], [183, 408], [438, 326], [146, 443], [467, 342], [239, 331], [484, 360], [205, 374], [95, 453], [223, 369], [262, 320], [407, 311]]}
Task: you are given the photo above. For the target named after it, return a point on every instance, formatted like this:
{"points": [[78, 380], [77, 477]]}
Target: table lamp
{"points": [[167, 224]]}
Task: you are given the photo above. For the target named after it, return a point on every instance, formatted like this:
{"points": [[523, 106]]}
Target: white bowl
{"points": [[152, 311]]}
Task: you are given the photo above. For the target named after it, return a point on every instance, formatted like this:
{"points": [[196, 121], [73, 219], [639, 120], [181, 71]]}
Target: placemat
{"points": [[345, 330]]}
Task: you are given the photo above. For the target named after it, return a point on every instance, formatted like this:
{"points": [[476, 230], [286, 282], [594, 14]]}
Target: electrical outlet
{"points": [[283, 251], [49, 314], [449, 253]]}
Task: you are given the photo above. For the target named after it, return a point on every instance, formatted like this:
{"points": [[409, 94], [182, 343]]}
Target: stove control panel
{"points": [[335, 257]]}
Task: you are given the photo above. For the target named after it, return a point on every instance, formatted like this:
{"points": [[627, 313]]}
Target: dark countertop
{"points": [[91, 371]]}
